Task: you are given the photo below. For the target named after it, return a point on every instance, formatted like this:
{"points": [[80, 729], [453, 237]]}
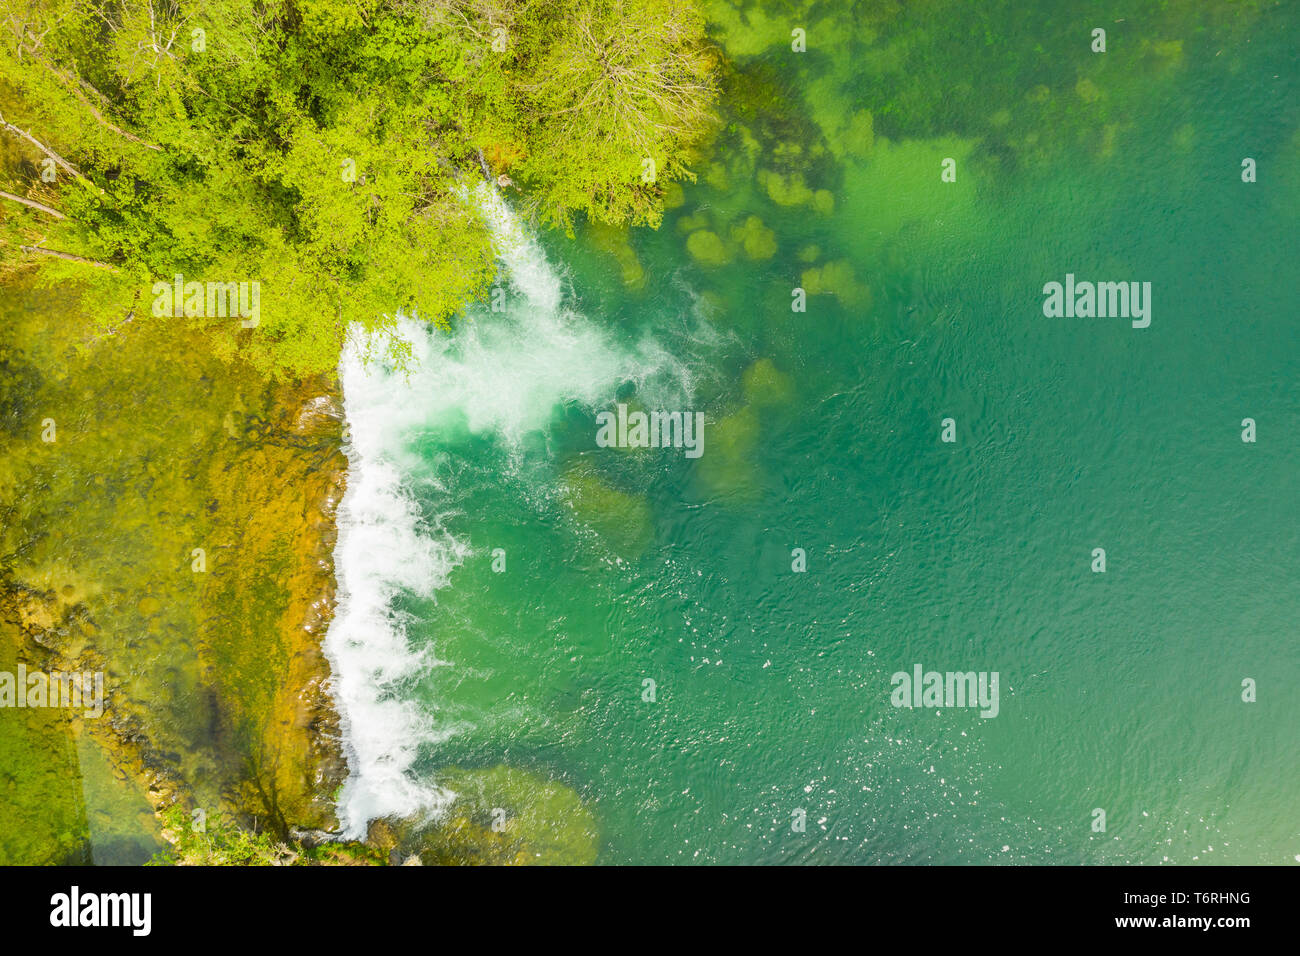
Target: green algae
{"points": [[621, 519], [507, 816], [758, 241], [707, 248]]}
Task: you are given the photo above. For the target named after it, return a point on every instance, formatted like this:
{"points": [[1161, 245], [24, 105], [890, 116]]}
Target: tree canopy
{"points": [[316, 147]]}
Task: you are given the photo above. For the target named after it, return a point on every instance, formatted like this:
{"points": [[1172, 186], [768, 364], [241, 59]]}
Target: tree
{"points": [[617, 94], [317, 148]]}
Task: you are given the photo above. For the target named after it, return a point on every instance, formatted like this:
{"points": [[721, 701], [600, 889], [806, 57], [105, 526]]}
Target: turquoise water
{"points": [[1119, 690]]}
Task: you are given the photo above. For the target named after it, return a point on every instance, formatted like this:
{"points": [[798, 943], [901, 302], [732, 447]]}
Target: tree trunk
{"points": [[42, 147], [33, 204], [69, 257], [73, 84]]}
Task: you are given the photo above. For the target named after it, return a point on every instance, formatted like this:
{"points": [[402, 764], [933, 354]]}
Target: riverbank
{"points": [[170, 524], [177, 536]]}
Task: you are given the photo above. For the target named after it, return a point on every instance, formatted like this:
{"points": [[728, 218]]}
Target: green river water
{"points": [[507, 588], [1119, 691]]}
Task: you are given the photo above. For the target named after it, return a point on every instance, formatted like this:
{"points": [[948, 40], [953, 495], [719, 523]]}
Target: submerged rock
{"points": [[785, 189], [765, 385], [838, 279], [758, 241], [622, 520], [614, 240], [503, 815], [730, 468], [859, 135], [707, 248], [1087, 90]]}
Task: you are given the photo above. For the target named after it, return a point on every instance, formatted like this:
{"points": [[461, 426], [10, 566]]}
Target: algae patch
{"points": [[621, 519], [186, 560], [506, 816]]}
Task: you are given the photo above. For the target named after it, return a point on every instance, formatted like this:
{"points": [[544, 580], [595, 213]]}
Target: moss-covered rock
{"points": [[614, 240], [764, 384], [758, 241], [693, 221], [837, 278], [903, 190], [785, 189], [859, 135], [707, 248], [728, 467], [506, 816], [1087, 90], [621, 519]]}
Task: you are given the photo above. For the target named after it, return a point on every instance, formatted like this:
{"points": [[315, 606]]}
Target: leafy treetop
{"points": [[318, 146]]}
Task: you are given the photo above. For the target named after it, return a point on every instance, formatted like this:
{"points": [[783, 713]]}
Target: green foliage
{"points": [[221, 844], [619, 98], [224, 844], [319, 147]]}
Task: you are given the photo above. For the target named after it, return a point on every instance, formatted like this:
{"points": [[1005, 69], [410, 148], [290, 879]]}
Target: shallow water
{"points": [[201, 673]]}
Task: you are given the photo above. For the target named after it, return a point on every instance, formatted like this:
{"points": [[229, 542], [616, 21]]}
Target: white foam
{"points": [[502, 373], [382, 551]]}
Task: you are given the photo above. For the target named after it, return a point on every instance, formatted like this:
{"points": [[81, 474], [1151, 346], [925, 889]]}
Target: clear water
{"points": [[1119, 691]]}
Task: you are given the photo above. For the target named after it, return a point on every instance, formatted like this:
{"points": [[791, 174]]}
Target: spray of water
{"points": [[501, 373]]}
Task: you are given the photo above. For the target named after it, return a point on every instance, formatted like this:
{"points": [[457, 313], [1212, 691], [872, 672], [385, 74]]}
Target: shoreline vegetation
{"points": [[315, 149], [318, 148]]}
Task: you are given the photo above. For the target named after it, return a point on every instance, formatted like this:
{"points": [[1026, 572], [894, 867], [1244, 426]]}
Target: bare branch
{"points": [[69, 257], [75, 85], [33, 204], [41, 146]]}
